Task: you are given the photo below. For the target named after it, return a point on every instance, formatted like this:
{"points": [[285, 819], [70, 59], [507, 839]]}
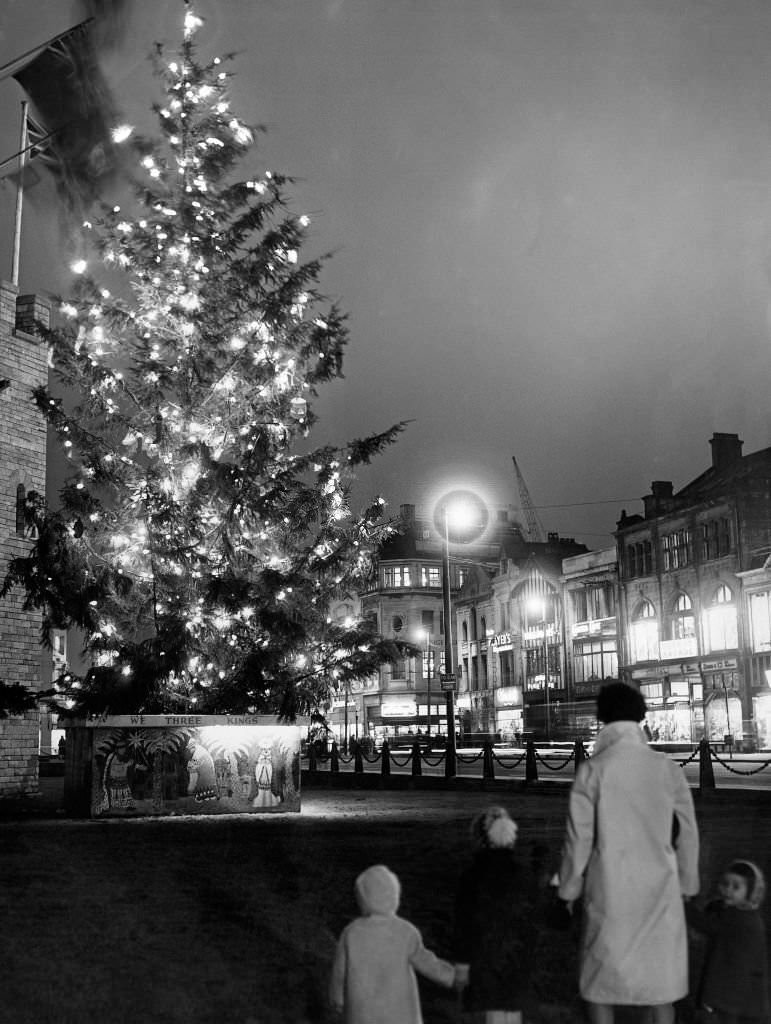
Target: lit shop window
{"points": [[760, 620], [644, 633], [720, 622], [683, 622]]}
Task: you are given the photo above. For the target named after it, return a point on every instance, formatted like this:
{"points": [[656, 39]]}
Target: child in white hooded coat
{"points": [[373, 976]]}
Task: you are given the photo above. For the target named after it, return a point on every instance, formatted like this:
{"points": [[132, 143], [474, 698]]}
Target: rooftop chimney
{"points": [[726, 448], [660, 498]]}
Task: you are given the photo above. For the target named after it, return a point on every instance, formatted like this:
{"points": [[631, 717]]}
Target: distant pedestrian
{"points": [[495, 927], [734, 981], [631, 851], [373, 976]]}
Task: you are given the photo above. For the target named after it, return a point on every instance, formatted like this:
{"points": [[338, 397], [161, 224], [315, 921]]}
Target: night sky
{"points": [[550, 219]]}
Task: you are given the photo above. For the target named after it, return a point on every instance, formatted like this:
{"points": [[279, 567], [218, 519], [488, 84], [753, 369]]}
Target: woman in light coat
{"points": [[631, 852]]}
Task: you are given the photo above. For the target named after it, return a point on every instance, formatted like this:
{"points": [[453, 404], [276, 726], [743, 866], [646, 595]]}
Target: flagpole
{"points": [[19, 194]]}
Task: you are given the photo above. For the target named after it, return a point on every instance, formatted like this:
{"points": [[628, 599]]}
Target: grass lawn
{"points": [[235, 919]]}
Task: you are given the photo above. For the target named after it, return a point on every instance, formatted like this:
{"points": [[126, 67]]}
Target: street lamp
{"points": [[468, 517]]}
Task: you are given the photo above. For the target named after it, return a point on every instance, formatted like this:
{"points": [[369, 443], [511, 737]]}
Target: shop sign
{"points": [[502, 641], [403, 709], [722, 665], [589, 688], [511, 695], [685, 647]]}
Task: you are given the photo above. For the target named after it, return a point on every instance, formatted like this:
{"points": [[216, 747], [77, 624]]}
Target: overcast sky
{"points": [[551, 222]]}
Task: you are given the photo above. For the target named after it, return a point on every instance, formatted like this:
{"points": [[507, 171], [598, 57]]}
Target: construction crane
{"points": [[534, 531]]}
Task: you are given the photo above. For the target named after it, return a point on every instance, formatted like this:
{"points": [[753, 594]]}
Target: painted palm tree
{"points": [[157, 743]]}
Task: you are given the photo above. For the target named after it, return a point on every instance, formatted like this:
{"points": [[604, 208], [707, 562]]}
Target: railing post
{"points": [[334, 758], [312, 757], [385, 759], [358, 760], [531, 765], [450, 762], [579, 752], [417, 766], [706, 772], [488, 768]]}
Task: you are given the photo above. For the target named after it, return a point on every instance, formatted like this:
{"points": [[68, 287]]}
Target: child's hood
{"points": [[757, 893], [378, 891]]}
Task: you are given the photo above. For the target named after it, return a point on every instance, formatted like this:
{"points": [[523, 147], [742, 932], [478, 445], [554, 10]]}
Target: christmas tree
{"points": [[200, 539]]}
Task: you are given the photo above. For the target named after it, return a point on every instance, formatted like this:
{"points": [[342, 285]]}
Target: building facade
{"points": [[686, 601], [23, 367], [510, 627], [405, 597], [589, 599]]}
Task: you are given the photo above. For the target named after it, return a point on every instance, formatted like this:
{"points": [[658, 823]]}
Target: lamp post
{"points": [[449, 659], [469, 516]]}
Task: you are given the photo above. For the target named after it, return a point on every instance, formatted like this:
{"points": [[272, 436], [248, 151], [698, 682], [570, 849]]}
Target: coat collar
{"points": [[615, 732]]}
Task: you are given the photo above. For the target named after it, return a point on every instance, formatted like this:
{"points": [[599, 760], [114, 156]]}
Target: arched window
{"points": [[644, 633], [683, 622], [483, 626], [464, 631], [721, 631]]}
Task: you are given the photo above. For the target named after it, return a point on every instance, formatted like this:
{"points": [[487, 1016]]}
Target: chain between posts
{"points": [[688, 760], [737, 771], [400, 764], [512, 764], [554, 767]]}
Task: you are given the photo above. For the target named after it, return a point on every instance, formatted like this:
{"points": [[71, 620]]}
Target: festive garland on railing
{"points": [[371, 760], [514, 764], [345, 759], [554, 767], [469, 758], [435, 763]]}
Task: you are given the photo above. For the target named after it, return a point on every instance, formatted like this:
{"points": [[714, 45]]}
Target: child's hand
{"points": [[461, 977]]}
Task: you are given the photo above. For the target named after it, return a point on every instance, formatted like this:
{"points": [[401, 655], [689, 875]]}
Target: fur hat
{"points": [[378, 890], [494, 829], [756, 883]]}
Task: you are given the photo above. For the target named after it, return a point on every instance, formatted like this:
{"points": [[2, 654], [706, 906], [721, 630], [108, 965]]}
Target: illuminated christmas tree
{"points": [[200, 538]]}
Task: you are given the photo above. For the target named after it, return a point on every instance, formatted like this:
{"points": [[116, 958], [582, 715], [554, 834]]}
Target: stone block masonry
{"points": [[23, 367]]}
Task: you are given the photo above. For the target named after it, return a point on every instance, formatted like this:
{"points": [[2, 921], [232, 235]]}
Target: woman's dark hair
{"points": [[619, 702]]}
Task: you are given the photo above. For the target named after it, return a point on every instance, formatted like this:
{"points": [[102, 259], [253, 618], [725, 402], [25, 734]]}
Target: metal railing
{"points": [[495, 764]]}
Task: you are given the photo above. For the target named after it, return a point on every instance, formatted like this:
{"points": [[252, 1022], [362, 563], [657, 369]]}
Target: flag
{"points": [[73, 113]]}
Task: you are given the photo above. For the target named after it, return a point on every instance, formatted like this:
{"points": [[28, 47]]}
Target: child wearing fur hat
{"points": [[373, 976], [734, 981], [495, 923]]}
